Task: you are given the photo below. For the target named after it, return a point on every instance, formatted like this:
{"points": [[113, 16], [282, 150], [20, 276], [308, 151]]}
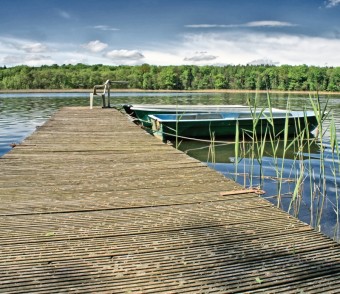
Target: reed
{"points": [[211, 151], [299, 177], [236, 149], [335, 151], [298, 171], [310, 172], [321, 187], [176, 131], [302, 165]]}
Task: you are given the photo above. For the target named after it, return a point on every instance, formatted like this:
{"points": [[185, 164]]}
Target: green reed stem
{"points": [[310, 171], [285, 148], [335, 151], [237, 143], [212, 149], [319, 114]]}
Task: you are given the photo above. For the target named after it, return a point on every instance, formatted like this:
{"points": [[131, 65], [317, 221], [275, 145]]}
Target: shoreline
{"points": [[165, 91]]}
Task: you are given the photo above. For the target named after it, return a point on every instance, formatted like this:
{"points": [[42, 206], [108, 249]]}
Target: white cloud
{"points": [[235, 48], [15, 51], [218, 48], [95, 46], [200, 56], [268, 23], [263, 61], [207, 26], [64, 14], [332, 3], [161, 56], [34, 48], [105, 28], [124, 55], [31, 60], [25, 45], [74, 59], [13, 59], [20, 51], [252, 24]]}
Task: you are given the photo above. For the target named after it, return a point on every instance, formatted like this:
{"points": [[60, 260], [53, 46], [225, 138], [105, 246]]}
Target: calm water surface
{"points": [[20, 114]]}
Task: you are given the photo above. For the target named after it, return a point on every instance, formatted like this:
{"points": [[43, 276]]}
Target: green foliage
{"points": [[258, 280], [184, 77]]}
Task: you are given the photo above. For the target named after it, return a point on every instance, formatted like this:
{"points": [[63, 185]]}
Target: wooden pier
{"points": [[90, 203]]}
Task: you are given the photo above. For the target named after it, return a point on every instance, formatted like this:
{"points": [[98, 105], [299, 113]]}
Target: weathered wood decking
{"points": [[90, 203]]}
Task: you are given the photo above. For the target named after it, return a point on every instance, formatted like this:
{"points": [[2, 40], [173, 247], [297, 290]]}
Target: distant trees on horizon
{"points": [[183, 77]]}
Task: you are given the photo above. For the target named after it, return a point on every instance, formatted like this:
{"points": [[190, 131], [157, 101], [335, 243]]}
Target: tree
{"points": [[168, 79], [219, 81], [188, 77]]}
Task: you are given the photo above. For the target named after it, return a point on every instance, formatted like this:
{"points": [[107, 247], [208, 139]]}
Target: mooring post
{"points": [[108, 96], [91, 100], [103, 99]]}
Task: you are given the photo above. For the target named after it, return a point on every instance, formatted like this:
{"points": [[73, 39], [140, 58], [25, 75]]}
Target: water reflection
{"points": [[225, 150], [312, 167], [20, 114]]}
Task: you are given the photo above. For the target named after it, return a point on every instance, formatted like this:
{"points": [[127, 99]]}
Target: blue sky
{"points": [[170, 32]]}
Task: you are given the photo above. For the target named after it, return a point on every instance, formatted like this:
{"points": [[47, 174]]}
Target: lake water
{"points": [[20, 114]]}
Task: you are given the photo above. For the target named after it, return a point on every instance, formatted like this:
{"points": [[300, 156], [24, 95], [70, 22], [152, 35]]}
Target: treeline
{"points": [[184, 77]]}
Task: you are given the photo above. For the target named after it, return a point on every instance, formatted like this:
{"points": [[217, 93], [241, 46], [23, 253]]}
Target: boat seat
{"points": [[209, 116]]}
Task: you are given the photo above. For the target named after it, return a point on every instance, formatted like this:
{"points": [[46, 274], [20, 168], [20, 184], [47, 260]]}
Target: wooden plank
{"points": [[92, 203]]}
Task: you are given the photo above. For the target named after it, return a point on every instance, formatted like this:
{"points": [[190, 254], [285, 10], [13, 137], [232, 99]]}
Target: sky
{"points": [[170, 32]]}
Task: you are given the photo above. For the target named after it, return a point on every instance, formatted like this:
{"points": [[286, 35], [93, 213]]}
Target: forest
{"points": [[183, 77]]}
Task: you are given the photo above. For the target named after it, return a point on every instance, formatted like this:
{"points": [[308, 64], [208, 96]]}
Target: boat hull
{"points": [[166, 129], [142, 112]]}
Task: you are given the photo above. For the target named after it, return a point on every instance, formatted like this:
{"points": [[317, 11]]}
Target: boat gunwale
{"points": [[298, 115]]}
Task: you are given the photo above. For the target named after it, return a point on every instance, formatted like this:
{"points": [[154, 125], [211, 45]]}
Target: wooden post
{"points": [[103, 98], [91, 100], [108, 96]]}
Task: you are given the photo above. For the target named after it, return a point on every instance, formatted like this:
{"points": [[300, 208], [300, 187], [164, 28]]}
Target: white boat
{"points": [[142, 111]]}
